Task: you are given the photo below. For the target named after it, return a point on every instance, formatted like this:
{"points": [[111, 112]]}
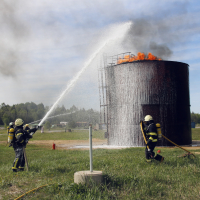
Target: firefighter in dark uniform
{"points": [[20, 140], [151, 135]]}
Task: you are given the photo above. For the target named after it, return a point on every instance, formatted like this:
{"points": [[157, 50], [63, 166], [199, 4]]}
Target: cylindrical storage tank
{"points": [[157, 88]]}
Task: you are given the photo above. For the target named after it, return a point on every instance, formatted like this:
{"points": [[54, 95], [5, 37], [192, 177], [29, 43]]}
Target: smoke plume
{"points": [[147, 36], [12, 32], [160, 50]]}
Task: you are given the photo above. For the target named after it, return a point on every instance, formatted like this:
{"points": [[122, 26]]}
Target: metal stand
{"points": [[90, 138], [85, 177]]}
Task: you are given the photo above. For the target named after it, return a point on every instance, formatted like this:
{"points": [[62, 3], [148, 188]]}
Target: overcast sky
{"points": [[45, 43]]}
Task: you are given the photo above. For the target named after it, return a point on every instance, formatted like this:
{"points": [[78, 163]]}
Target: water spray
{"points": [[52, 117], [71, 83]]}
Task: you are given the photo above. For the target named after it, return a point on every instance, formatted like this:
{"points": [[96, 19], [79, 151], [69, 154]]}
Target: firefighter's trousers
{"points": [[150, 154], [19, 161]]}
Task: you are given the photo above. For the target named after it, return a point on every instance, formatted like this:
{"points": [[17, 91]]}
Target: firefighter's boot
{"points": [[159, 158], [21, 168], [14, 170]]}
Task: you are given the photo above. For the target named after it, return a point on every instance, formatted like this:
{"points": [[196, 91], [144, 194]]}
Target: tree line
{"points": [[31, 112], [195, 117]]}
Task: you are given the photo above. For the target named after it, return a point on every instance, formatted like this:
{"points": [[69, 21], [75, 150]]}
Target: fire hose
{"points": [[178, 145], [143, 134], [30, 191]]}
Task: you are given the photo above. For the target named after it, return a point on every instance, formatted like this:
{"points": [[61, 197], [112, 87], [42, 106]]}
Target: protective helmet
{"points": [[26, 125], [19, 122], [148, 118], [11, 124]]}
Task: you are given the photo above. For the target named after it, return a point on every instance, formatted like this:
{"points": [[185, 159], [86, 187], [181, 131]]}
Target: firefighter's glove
{"points": [[149, 149]]}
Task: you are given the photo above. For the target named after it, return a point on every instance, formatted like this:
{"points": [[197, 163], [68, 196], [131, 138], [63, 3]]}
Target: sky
{"points": [[45, 43]]}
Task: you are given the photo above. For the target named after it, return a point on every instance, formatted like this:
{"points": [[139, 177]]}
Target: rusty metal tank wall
{"points": [[157, 88]]}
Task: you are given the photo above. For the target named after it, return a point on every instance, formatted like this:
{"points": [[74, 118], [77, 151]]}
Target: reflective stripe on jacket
{"points": [[151, 133]]}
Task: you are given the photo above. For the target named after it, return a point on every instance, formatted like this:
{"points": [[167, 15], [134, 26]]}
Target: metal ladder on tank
{"points": [[102, 93]]}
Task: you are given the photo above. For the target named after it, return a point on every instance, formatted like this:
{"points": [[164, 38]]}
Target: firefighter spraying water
{"points": [[18, 138]]}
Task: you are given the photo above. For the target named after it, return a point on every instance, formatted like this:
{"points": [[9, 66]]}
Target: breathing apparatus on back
{"points": [[159, 130], [10, 132]]}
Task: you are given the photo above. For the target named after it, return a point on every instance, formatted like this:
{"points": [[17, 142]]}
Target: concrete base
{"points": [[87, 176]]}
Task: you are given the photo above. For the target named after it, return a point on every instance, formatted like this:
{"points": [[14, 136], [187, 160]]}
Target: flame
{"points": [[140, 56]]}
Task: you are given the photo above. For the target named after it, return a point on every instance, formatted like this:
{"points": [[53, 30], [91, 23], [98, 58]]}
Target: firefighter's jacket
{"points": [[21, 137], [151, 133]]}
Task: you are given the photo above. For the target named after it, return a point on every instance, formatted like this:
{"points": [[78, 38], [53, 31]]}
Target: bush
{"points": [[71, 124], [47, 125]]}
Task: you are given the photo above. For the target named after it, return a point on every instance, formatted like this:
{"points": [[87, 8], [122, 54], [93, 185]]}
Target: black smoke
{"points": [[149, 36], [160, 50]]}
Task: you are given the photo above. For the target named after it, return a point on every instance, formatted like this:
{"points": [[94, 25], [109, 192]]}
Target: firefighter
{"points": [[151, 135], [20, 140]]}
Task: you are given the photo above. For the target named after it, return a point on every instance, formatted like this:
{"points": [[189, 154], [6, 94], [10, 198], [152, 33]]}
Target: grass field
{"points": [[195, 133], [126, 174], [74, 135]]}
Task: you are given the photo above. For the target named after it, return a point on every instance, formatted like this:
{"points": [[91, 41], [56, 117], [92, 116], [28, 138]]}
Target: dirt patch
{"points": [[192, 148], [74, 144], [67, 144], [14, 190], [84, 144]]}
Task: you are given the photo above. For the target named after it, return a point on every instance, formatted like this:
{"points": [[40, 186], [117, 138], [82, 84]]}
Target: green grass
{"points": [[126, 174], [78, 135], [74, 135], [195, 133]]}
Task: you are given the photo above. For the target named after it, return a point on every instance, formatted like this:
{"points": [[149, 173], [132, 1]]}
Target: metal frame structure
{"points": [[106, 61], [103, 87], [102, 91]]}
